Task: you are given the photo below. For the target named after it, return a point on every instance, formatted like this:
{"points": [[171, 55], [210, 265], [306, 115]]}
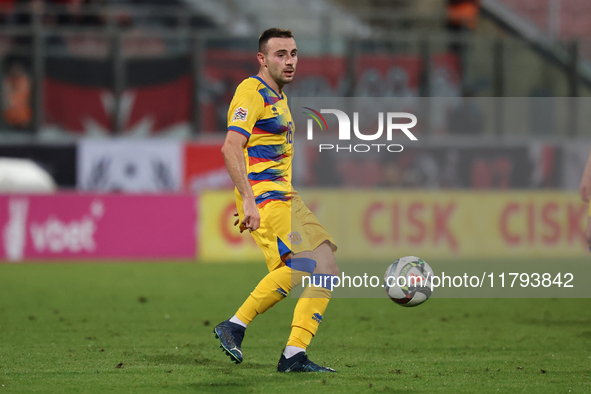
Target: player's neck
{"points": [[271, 82]]}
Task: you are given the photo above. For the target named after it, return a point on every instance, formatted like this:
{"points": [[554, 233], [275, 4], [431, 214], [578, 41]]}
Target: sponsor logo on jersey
{"points": [[240, 114], [317, 317]]}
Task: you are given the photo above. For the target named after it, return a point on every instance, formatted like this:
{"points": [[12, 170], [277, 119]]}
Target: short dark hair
{"points": [[273, 32]]}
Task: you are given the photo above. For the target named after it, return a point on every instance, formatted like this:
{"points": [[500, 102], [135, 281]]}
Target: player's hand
{"points": [[585, 189], [242, 226], [252, 217]]}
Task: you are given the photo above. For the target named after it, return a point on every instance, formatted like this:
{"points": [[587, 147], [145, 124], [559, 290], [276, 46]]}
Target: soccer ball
{"points": [[408, 281]]}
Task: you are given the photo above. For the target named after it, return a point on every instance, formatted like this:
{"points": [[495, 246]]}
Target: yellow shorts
{"points": [[287, 227]]}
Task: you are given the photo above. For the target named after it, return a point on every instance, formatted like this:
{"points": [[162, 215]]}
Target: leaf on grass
{"points": [[542, 370], [102, 350], [323, 382], [350, 365], [206, 323], [169, 371], [519, 367], [142, 300], [120, 365], [370, 385], [399, 371]]}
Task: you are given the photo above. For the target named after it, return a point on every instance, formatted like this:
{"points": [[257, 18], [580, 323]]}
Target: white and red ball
{"points": [[408, 281]]}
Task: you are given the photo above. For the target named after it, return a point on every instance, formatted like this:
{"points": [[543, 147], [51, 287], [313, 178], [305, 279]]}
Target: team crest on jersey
{"points": [[240, 114], [294, 238]]}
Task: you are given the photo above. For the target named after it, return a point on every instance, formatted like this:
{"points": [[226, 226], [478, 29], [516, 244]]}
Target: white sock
{"points": [[234, 319], [291, 351]]}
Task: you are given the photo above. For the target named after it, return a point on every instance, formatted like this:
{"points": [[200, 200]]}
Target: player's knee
{"points": [[334, 269], [328, 266], [302, 262]]}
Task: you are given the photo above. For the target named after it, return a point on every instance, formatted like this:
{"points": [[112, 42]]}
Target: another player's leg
{"points": [[274, 287], [308, 314], [588, 229]]}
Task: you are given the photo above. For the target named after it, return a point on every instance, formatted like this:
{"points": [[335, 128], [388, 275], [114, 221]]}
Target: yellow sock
{"points": [[308, 314], [299, 337], [271, 289]]}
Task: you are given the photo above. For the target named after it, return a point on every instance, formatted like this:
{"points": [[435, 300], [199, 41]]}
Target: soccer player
{"points": [[585, 192], [258, 151]]}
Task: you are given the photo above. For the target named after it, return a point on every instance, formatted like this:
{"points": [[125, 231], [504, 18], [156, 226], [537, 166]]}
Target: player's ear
{"points": [[261, 59]]}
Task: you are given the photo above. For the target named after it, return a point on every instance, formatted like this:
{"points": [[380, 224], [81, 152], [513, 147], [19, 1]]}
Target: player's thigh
{"points": [[265, 238], [314, 231], [283, 237], [320, 240]]}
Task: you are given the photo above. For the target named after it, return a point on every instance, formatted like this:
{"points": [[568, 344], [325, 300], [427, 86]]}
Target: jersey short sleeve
{"points": [[245, 109]]}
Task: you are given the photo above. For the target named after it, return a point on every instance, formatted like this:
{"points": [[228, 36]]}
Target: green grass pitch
{"points": [[146, 327]]}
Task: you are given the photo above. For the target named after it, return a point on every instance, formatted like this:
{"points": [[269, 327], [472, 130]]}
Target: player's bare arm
{"points": [[233, 152], [585, 186]]}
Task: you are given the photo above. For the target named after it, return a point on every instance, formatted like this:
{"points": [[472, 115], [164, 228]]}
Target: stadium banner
{"points": [[157, 100], [97, 226], [158, 96], [219, 240], [383, 225], [130, 165], [204, 167]]}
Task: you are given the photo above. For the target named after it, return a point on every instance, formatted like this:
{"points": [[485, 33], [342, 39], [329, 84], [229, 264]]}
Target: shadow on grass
{"points": [[199, 360]]}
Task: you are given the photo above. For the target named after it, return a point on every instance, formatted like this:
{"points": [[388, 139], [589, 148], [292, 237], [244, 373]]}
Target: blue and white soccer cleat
{"points": [[230, 336], [300, 363]]}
